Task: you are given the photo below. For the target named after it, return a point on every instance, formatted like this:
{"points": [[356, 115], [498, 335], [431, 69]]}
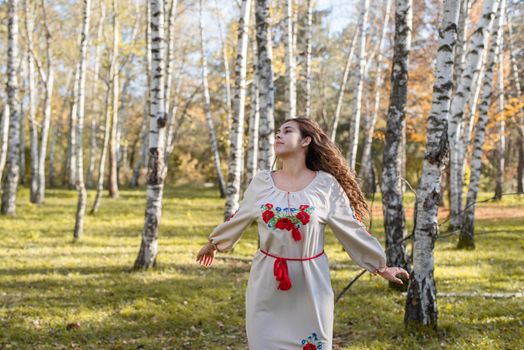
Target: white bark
{"points": [[113, 142], [207, 108], [291, 91], [266, 87], [235, 162], [342, 89], [48, 80], [95, 106], [10, 184], [466, 238], [29, 26], [254, 120], [421, 300], [391, 186], [4, 134], [458, 104], [366, 164], [156, 169], [309, 37], [501, 123], [355, 120], [82, 195]]}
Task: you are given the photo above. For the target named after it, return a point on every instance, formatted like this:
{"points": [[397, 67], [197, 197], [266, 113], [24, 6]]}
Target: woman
{"points": [[289, 298]]}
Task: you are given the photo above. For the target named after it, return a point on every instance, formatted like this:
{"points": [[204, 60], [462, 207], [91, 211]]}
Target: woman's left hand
{"points": [[390, 273]]}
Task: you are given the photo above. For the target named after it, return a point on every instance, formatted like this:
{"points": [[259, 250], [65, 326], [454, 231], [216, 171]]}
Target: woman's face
{"points": [[288, 140]]}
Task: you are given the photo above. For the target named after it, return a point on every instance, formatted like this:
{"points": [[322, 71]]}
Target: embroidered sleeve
{"points": [[361, 246], [228, 233]]}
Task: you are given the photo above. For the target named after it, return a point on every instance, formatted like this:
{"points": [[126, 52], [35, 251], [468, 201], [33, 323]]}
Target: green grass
{"points": [[48, 282]]}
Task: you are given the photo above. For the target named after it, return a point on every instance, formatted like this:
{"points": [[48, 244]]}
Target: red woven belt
{"points": [[280, 268]]}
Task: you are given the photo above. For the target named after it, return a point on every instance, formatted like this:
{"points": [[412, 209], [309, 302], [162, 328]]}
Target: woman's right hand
{"points": [[206, 255]]}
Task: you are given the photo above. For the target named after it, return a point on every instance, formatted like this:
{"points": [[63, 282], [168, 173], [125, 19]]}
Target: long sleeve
{"points": [[228, 233], [361, 246]]}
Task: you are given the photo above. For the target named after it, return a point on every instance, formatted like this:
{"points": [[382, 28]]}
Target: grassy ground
{"points": [[49, 284]]}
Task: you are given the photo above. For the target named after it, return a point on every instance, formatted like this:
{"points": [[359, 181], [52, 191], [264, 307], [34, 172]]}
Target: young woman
{"points": [[289, 298]]}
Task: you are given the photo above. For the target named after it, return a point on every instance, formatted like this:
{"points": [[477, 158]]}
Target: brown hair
{"points": [[323, 154]]}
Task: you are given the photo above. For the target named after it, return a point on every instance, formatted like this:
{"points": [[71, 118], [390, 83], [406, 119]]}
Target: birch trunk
{"points": [[170, 52], [156, 170], [355, 121], [113, 153], [105, 146], [421, 299], [29, 25], [96, 106], [466, 237], [71, 157], [10, 184], [237, 130], [342, 89], [266, 87], [48, 95], [518, 92], [291, 91], [207, 108], [366, 163], [501, 123], [309, 35], [391, 186], [254, 119], [4, 134], [226, 70], [82, 194], [460, 46], [458, 104]]}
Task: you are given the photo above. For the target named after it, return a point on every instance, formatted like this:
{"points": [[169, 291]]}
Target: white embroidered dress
{"points": [[300, 315]]}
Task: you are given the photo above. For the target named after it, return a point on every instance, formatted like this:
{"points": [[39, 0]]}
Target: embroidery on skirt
{"points": [[312, 343], [278, 218]]}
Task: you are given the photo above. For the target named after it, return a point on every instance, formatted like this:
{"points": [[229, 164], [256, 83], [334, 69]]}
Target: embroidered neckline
{"points": [[269, 172]]}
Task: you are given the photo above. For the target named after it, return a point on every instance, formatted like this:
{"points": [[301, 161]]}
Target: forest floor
{"points": [[56, 294]]}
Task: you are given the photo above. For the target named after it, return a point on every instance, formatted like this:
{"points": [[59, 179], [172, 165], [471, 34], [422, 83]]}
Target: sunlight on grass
{"points": [[57, 294]]}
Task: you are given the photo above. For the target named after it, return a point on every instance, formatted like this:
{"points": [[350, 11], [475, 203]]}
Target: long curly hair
{"points": [[323, 154]]}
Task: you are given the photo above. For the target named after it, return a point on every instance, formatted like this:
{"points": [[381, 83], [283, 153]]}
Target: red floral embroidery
{"points": [[267, 215], [285, 220], [303, 217], [309, 346]]}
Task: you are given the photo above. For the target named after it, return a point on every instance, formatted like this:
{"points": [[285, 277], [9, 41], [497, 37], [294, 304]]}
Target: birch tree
{"points": [[113, 143], [10, 185], [47, 78], [355, 120], [225, 59], [237, 130], [466, 237], [266, 87], [501, 123], [307, 70], [156, 169], [82, 194], [458, 104], [29, 26], [4, 134], [291, 91], [342, 89], [207, 108], [518, 93], [421, 299], [391, 186], [254, 119], [366, 164], [95, 103]]}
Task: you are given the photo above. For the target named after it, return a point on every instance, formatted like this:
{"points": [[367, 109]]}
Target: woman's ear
{"points": [[307, 141]]}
